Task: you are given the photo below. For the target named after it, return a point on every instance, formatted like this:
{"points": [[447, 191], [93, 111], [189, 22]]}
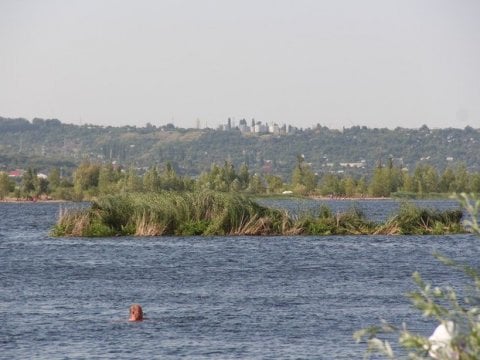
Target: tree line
{"points": [[48, 143], [92, 179]]}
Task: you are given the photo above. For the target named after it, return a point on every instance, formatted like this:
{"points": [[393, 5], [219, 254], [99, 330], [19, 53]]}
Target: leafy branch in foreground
{"points": [[472, 205], [458, 335]]}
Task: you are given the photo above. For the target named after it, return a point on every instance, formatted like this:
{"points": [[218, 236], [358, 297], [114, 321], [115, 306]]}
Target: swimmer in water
{"points": [[136, 313]]}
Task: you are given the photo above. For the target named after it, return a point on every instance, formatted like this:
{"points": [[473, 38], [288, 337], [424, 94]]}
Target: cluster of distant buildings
{"points": [[17, 174], [257, 127]]}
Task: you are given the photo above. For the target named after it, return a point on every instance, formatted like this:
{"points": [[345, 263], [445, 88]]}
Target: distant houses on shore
{"points": [[17, 175]]}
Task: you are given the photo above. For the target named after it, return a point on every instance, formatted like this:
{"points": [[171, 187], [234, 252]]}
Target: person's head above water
{"points": [[136, 313]]}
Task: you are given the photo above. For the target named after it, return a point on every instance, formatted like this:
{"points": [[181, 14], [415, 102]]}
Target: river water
{"points": [[208, 297]]}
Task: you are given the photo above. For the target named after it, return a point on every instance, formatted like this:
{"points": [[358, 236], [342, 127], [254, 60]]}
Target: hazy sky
{"points": [[378, 63]]}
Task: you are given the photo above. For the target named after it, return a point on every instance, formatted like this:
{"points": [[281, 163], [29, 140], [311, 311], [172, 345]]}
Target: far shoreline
{"points": [[346, 198], [31, 201], [42, 200]]}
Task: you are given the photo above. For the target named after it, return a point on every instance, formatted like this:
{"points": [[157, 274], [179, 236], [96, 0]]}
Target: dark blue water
{"points": [[219, 297]]}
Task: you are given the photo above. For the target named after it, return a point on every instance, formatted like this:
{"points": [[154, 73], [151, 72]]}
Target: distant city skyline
{"points": [[374, 63]]}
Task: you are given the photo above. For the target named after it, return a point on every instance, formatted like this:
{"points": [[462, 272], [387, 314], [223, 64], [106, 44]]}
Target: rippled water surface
{"points": [[216, 297]]}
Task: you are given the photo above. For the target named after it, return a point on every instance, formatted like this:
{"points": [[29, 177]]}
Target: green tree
{"points": [[218, 178], [350, 186], [86, 176], [297, 175], [362, 187], [396, 178], [107, 179], [169, 180], [447, 181], [133, 182], [386, 180], [235, 186], [330, 185], [6, 185], [461, 183], [206, 179], [425, 179], [29, 182], [256, 185], [304, 180], [381, 185], [408, 183], [151, 180], [244, 176], [54, 179], [475, 183], [228, 173], [42, 186], [274, 183]]}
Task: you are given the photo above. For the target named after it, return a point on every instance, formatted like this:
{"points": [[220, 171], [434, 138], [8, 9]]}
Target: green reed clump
{"points": [[354, 222], [172, 213], [236, 215], [114, 212], [201, 213], [351, 222], [71, 222], [412, 220], [81, 222]]}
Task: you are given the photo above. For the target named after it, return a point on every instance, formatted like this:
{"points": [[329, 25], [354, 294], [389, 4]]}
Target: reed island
{"points": [[211, 213]]}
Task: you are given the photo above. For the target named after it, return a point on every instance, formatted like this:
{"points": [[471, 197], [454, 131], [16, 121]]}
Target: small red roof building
{"points": [[15, 173]]}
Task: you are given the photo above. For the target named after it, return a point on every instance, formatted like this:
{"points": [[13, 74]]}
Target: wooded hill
{"points": [[45, 144]]}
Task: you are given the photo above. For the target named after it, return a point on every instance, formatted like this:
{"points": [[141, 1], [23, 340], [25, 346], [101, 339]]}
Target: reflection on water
{"points": [[206, 297]]}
